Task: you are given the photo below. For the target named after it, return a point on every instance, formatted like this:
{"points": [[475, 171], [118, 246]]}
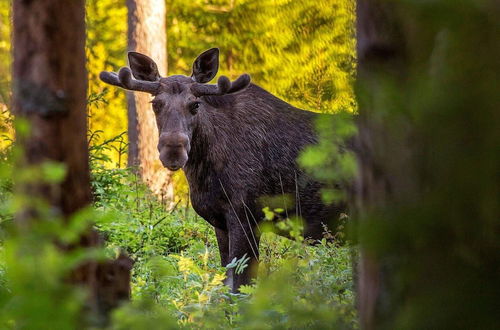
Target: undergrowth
{"points": [[177, 279]]}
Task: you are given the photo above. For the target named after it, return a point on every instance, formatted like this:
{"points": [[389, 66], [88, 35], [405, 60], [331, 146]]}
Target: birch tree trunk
{"points": [[147, 35]]}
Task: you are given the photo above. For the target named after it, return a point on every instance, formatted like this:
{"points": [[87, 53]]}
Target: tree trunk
{"points": [[426, 197], [147, 35], [380, 49], [50, 92], [50, 86]]}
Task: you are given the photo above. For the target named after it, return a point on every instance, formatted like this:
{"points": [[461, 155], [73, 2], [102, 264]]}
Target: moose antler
{"points": [[224, 86], [124, 80]]}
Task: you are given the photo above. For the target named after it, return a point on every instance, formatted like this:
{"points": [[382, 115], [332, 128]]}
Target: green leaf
{"points": [[53, 172]]}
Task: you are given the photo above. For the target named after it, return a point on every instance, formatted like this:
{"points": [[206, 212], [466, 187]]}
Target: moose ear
{"points": [[205, 67], [143, 67]]}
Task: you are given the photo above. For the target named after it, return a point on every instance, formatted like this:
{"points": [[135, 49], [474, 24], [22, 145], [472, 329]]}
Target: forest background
{"points": [[425, 221], [304, 53]]}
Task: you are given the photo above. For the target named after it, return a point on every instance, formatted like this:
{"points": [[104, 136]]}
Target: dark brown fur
{"points": [[237, 149]]}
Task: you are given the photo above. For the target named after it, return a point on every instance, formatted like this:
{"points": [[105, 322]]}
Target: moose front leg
{"points": [[223, 243], [243, 240]]}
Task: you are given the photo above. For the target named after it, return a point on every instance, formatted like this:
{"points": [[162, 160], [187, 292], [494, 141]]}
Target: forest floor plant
{"points": [[177, 279], [177, 273]]}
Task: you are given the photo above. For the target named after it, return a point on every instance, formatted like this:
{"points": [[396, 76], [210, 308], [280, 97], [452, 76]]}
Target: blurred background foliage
{"points": [[301, 51], [106, 50], [6, 129]]}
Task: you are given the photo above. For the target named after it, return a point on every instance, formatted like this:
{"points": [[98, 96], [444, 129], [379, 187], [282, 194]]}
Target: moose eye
{"points": [[156, 105], [193, 107]]}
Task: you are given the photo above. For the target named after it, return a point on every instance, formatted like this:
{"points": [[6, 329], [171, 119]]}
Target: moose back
{"points": [[237, 144]]}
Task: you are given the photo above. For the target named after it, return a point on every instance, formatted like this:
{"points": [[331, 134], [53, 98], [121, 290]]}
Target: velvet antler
{"points": [[125, 80], [224, 86]]}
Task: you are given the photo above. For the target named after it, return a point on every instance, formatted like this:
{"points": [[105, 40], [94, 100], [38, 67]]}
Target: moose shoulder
{"points": [[236, 143]]}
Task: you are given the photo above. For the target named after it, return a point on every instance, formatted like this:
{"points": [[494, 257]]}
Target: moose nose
{"points": [[173, 140]]}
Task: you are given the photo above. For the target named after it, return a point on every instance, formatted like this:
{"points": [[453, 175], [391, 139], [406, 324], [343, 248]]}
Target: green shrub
{"points": [[177, 278], [177, 271]]}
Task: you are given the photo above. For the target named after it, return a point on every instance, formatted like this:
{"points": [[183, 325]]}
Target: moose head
{"points": [[178, 101]]}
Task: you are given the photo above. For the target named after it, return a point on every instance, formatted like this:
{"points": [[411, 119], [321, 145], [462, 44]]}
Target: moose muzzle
{"points": [[174, 150]]}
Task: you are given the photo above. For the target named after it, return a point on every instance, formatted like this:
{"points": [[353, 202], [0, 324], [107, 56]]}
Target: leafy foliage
{"points": [[177, 276], [33, 267], [5, 30], [106, 50], [302, 51], [6, 127]]}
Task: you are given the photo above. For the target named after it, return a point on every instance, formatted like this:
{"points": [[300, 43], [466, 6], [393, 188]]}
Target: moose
{"points": [[237, 144]]}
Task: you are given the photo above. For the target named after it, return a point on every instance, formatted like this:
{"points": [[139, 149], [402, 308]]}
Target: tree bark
{"points": [[50, 86], [50, 92], [380, 49], [426, 198], [147, 35]]}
